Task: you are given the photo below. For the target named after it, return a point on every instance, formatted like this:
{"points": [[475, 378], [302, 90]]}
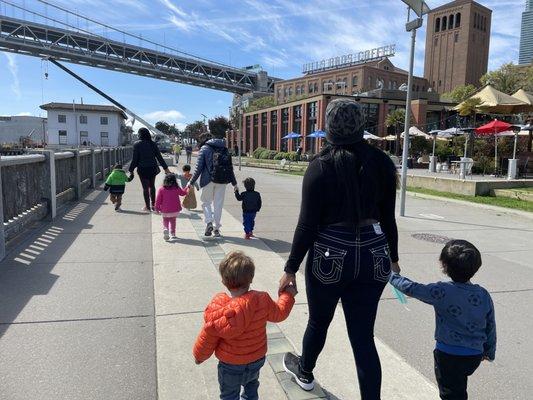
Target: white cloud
{"points": [[13, 68], [170, 116], [173, 8], [24, 114]]}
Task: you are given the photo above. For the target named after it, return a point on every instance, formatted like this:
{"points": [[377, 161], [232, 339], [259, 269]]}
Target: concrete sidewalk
{"points": [[185, 276]]}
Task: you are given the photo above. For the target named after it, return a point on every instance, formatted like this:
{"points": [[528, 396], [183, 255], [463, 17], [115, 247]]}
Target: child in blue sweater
{"points": [[465, 325]]}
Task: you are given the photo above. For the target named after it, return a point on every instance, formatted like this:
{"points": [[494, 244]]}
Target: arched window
{"points": [[444, 23], [316, 87], [437, 25], [457, 20], [297, 90], [354, 80], [450, 22]]}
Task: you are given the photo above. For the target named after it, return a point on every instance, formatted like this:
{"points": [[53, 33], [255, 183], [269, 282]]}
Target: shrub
{"points": [[257, 152], [292, 156], [280, 156]]}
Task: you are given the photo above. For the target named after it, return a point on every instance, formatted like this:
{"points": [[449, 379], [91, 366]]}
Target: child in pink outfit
{"points": [[167, 202]]}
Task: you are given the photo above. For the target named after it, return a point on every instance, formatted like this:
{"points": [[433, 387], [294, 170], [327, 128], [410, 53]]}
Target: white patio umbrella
{"points": [[370, 136], [414, 131]]}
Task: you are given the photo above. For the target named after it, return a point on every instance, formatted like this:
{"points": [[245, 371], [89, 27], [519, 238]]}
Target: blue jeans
{"points": [[232, 377], [352, 267], [248, 221]]}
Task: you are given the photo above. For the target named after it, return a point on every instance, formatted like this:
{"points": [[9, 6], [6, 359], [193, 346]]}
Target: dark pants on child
{"points": [[452, 374], [352, 267], [232, 377], [116, 199], [248, 221]]}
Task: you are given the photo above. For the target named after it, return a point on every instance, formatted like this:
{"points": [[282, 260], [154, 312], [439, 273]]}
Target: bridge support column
{"points": [[2, 234]]}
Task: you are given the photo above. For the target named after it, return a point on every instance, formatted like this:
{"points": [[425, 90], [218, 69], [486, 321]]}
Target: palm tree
{"points": [[396, 118]]}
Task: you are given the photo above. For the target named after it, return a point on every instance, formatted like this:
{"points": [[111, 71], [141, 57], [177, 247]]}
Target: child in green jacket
{"points": [[116, 183]]}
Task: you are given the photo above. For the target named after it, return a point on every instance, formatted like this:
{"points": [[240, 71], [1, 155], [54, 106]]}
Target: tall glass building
{"points": [[526, 35]]}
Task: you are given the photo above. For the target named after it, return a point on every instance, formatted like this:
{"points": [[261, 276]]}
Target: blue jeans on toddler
{"points": [[232, 377], [248, 221]]}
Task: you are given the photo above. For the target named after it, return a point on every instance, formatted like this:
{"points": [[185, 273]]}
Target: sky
{"points": [[280, 35]]}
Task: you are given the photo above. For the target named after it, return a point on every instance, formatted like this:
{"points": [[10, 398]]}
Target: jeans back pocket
{"points": [[382, 263], [328, 263]]}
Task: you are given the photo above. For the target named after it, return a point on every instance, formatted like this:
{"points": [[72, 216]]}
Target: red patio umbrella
{"points": [[493, 128]]}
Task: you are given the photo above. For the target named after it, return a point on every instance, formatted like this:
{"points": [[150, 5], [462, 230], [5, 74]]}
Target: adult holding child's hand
{"points": [[347, 226]]}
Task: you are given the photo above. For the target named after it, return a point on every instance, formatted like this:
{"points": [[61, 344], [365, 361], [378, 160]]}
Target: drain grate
{"points": [[428, 237]]}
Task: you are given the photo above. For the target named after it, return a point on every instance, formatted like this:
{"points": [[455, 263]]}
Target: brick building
{"points": [[347, 81], [266, 127], [457, 45]]}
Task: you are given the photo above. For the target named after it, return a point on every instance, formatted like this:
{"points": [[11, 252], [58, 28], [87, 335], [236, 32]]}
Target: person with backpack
{"points": [[215, 170]]}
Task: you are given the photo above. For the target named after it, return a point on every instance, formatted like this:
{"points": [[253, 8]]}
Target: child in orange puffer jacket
{"points": [[235, 328]]}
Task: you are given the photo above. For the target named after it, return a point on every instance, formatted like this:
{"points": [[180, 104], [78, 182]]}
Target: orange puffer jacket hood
{"points": [[235, 328]]}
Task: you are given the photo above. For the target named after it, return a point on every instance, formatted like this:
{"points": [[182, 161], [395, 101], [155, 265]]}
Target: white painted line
{"points": [[432, 216]]}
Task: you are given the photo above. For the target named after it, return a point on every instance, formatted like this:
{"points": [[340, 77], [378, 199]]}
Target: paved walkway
{"points": [[97, 306]]}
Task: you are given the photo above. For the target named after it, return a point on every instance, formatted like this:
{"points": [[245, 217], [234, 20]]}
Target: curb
{"points": [[476, 205]]}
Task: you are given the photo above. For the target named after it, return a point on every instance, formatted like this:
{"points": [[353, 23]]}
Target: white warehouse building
{"points": [[22, 130], [86, 125]]}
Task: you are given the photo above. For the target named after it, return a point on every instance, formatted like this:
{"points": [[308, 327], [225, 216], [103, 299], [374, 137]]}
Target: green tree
{"points": [[163, 126], [194, 129], [509, 78], [460, 93], [218, 126], [396, 119]]}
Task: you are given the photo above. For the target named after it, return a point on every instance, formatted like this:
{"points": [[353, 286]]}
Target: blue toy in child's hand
{"points": [[399, 295]]}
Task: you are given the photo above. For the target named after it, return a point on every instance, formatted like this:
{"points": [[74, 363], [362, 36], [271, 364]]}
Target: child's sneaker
{"points": [[117, 207], [173, 236], [216, 233], [247, 236], [291, 363], [165, 234], [252, 235]]}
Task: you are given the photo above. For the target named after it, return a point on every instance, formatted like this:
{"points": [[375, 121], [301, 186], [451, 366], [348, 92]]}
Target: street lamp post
{"points": [[420, 8]]}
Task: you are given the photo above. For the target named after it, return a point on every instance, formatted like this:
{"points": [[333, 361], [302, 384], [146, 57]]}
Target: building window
{"points": [[279, 93], [298, 90], [444, 23], [290, 91], [104, 121], [62, 136], [316, 87], [104, 138], [286, 92], [476, 20], [83, 119], [61, 119], [484, 24], [457, 20], [436, 41], [355, 80], [310, 88], [394, 85], [440, 83], [437, 25], [450, 22], [456, 38]]}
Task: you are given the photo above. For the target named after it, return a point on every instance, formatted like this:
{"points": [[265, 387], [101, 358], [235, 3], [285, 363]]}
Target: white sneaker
{"points": [[173, 237], [165, 234]]}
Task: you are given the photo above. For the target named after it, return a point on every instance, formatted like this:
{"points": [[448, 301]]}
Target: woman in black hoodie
{"points": [[146, 156]]}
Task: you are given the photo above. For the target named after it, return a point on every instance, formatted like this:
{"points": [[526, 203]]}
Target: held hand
{"points": [[291, 290], [167, 171], [197, 362], [236, 188], [395, 267], [286, 281]]}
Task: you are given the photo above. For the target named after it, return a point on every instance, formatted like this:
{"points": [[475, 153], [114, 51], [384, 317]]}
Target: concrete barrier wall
{"points": [[33, 186]]}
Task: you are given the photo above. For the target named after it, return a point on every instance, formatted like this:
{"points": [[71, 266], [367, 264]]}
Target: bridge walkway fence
{"points": [[39, 184]]}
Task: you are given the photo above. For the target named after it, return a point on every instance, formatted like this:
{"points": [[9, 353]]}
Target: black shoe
{"points": [[217, 233], [209, 229], [291, 363]]}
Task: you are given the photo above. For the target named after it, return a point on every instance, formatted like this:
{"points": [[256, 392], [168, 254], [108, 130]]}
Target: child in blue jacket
{"points": [[465, 330]]}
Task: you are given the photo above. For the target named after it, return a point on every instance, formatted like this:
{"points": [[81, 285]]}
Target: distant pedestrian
{"points": [[189, 202], [251, 204], [176, 149], [188, 152], [168, 204], [116, 184], [236, 151], [215, 170], [146, 156], [465, 330], [235, 328], [299, 151]]}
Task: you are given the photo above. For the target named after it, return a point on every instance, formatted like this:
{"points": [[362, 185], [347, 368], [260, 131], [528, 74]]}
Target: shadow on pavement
{"points": [[26, 270], [463, 223]]}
